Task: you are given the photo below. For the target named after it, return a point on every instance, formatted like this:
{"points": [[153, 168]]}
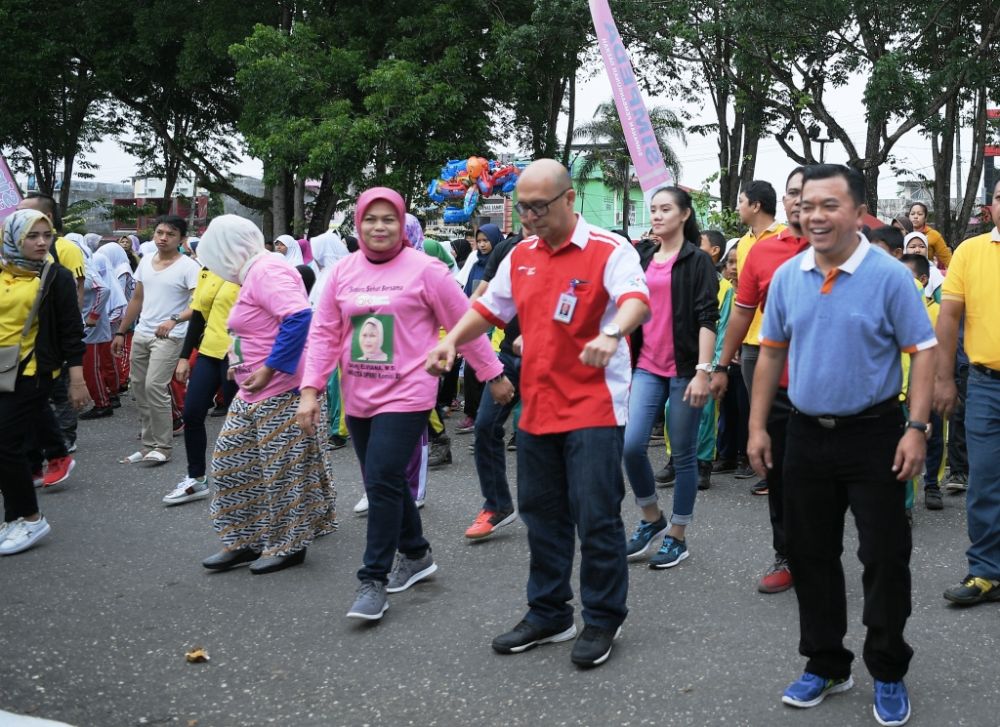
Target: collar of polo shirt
{"points": [[848, 266], [995, 235], [581, 233]]}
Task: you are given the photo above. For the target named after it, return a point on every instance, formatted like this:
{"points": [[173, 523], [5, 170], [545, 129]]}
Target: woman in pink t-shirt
{"points": [[379, 315], [274, 486], [673, 352]]}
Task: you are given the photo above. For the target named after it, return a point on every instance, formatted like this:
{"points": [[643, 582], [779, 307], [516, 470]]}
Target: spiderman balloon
{"points": [[464, 182]]}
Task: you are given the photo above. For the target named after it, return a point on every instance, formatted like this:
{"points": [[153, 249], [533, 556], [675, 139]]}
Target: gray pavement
{"points": [[97, 619]]}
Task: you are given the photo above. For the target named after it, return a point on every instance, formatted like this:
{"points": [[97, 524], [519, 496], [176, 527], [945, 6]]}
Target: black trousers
{"points": [[777, 429], [20, 418], [827, 471], [958, 457]]}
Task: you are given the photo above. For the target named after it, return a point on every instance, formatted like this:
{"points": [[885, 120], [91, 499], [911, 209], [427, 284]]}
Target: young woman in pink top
{"points": [[379, 315], [273, 483], [673, 352]]}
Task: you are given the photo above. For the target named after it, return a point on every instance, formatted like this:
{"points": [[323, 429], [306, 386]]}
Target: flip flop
{"points": [[133, 458], [155, 457]]}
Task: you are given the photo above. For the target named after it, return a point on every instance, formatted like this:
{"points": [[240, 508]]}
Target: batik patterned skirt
{"points": [[274, 487]]}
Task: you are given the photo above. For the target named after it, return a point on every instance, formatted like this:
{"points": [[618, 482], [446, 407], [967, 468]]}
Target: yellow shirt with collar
{"points": [[974, 279], [17, 295], [742, 250]]}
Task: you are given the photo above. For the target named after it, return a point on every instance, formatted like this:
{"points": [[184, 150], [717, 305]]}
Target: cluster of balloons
{"points": [[463, 182]]}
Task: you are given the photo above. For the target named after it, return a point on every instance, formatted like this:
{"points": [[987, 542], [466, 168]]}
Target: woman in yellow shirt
{"points": [[938, 250], [55, 337]]}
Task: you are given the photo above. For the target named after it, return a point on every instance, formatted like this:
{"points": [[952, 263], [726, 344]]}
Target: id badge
{"points": [[565, 308]]}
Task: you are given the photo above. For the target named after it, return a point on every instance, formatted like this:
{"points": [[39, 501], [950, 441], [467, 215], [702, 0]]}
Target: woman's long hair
{"points": [[684, 202]]}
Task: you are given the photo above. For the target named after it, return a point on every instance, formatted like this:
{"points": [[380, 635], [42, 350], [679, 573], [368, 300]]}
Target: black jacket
{"points": [[60, 325], [694, 291]]}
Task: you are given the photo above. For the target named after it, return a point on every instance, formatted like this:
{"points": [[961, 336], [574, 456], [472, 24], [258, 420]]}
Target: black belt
{"points": [[829, 421], [992, 373]]}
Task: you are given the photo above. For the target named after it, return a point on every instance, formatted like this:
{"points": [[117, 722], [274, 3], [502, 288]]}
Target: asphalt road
{"points": [[97, 619]]}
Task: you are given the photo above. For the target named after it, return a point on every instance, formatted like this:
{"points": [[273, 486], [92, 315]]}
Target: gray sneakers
{"points": [[407, 571], [370, 601]]}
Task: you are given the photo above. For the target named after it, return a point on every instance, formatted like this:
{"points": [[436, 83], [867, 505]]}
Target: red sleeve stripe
{"points": [[638, 296], [488, 314]]}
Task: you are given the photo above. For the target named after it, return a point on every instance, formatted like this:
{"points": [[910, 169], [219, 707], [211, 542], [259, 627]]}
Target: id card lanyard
{"points": [[567, 303]]}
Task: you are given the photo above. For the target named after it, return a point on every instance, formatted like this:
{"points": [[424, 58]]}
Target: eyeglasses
{"points": [[539, 209]]}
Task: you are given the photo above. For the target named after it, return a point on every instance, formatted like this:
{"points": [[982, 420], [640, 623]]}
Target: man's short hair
{"points": [[921, 263], [892, 237], [51, 208], [715, 239], [797, 170], [759, 191], [175, 221], [855, 182]]}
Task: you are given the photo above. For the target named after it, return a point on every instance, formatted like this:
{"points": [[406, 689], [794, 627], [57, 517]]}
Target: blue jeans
{"points": [[491, 460], [648, 396], [568, 481], [207, 375], [982, 432], [384, 444]]}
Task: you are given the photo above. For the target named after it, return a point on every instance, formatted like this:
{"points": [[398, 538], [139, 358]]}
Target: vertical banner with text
{"points": [[642, 144], [10, 195]]}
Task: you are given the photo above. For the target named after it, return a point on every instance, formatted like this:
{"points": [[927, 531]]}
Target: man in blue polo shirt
{"points": [[841, 313]]}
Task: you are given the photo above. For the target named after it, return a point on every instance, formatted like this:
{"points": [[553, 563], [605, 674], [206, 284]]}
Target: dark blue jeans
{"points": [[384, 444], [573, 482], [491, 460], [982, 503], [207, 375]]}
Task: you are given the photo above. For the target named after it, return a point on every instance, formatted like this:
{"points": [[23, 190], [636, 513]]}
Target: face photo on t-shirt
{"points": [[371, 341]]}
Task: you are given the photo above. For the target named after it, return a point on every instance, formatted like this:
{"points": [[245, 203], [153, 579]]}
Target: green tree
{"points": [[607, 151]]}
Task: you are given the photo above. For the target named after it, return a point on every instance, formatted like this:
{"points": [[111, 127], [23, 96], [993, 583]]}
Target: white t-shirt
{"points": [[165, 293]]}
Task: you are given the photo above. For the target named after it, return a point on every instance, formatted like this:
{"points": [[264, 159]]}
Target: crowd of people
{"points": [[840, 363]]}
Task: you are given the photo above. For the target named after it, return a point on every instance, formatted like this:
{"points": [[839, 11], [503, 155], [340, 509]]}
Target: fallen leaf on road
{"points": [[197, 655]]}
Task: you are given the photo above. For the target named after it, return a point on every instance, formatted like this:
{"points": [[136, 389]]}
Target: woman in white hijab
{"points": [[915, 243], [290, 250], [273, 483], [121, 269]]}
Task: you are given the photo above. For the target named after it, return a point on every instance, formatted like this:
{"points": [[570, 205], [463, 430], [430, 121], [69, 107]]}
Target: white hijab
{"points": [[77, 239], [327, 249], [936, 279], [100, 265], [293, 253], [117, 258], [230, 245]]}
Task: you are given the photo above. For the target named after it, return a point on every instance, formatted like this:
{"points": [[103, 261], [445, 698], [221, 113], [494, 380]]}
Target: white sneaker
{"points": [[187, 490], [362, 507], [420, 503], [21, 535]]}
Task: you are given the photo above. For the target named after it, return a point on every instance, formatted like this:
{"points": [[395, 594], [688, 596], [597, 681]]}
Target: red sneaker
{"points": [[487, 523], [777, 579], [57, 470]]}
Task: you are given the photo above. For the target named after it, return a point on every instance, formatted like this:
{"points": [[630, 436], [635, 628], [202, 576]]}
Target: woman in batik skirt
{"points": [[273, 489]]}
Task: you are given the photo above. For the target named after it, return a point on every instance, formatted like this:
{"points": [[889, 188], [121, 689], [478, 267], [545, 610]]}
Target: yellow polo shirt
{"points": [[974, 279], [17, 295], [214, 298], [742, 250], [70, 256]]}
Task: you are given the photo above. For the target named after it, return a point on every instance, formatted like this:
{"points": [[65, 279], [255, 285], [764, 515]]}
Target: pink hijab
{"points": [[307, 251], [365, 201]]}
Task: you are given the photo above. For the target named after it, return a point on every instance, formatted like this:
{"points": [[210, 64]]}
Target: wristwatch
{"points": [[706, 367], [920, 427], [175, 318], [612, 330]]}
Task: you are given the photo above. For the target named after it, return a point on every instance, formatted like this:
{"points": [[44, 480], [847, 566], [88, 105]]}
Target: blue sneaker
{"points": [[810, 689], [892, 703], [670, 554], [643, 537]]}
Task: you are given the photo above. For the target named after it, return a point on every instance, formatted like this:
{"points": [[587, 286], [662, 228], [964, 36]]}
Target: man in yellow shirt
{"points": [[757, 206], [972, 287]]}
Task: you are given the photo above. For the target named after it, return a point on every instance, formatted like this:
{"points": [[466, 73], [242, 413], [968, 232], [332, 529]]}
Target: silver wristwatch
{"points": [[612, 330], [706, 367]]}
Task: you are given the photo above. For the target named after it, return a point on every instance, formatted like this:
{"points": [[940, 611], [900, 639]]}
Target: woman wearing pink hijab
{"points": [[387, 397]]}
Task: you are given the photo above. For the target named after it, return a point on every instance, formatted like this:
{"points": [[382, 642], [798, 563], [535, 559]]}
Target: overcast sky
{"points": [[699, 157]]}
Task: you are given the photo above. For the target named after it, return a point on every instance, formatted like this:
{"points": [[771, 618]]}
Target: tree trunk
{"points": [[67, 183], [980, 135], [299, 206], [323, 206], [279, 212], [570, 120]]}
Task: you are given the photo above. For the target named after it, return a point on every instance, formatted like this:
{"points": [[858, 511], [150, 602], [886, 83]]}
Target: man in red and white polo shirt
{"points": [[577, 291]]}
